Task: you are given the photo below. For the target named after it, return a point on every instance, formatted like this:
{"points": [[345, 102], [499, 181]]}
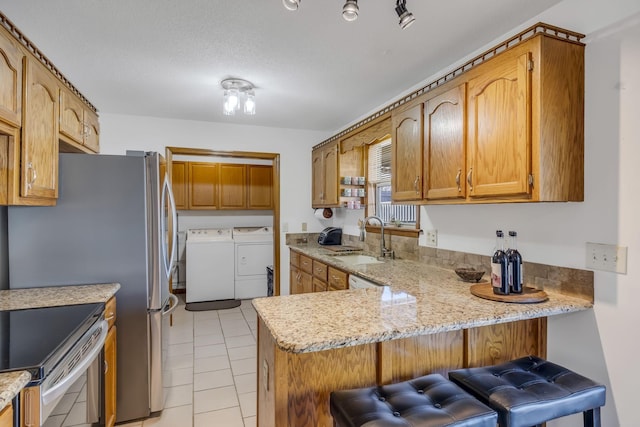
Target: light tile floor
{"points": [[211, 370]]}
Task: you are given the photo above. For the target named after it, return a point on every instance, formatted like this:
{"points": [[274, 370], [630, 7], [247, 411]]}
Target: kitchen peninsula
{"points": [[425, 321]]}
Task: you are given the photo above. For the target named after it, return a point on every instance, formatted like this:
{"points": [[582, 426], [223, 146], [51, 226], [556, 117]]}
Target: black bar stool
{"points": [[429, 401], [530, 391]]}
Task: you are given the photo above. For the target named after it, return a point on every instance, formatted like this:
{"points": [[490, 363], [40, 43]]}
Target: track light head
{"points": [[291, 4], [406, 17], [350, 10]]}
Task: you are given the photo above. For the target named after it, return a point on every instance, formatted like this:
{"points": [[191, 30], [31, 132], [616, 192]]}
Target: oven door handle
{"points": [[59, 389]]}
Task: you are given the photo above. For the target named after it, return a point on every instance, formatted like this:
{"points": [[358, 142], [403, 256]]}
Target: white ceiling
{"points": [[312, 69]]}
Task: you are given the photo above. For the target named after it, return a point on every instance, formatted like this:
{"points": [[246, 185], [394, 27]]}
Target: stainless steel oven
{"points": [[62, 349]]}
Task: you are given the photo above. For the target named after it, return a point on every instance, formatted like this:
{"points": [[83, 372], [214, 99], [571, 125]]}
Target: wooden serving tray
{"points": [[528, 295]]}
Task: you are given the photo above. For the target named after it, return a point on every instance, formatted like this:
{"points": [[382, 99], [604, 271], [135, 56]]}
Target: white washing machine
{"points": [[254, 252], [210, 261]]}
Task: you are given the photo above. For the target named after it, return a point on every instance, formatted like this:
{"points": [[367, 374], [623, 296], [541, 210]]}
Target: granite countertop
{"points": [[420, 299], [18, 299], [10, 385]]}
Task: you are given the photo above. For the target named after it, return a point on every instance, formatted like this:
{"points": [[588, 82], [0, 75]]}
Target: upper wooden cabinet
{"points": [[41, 114], [444, 144], [11, 58], [233, 179], [325, 175], [179, 180], [39, 172], [230, 186], [406, 154], [203, 185], [260, 187], [78, 124]]}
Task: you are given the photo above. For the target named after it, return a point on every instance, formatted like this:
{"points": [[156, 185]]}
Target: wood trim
{"points": [[538, 29], [394, 231], [275, 160], [378, 130]]}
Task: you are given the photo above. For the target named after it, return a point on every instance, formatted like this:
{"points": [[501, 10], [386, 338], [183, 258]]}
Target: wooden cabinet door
{"points": [[203, 185], [317, 183], [260, 187], [499, 120], [39, 169], [71, 117], [92, 131], [179, 183], [331, 175], [110, 373], [233, 178], [444, 145], [307, 282], [11, 58], [6, 416], [325, 172], [319, 285], [295, 280], [406, 154]]}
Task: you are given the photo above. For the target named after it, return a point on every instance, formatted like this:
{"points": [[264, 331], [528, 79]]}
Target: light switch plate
{"points": [[600, 256]]}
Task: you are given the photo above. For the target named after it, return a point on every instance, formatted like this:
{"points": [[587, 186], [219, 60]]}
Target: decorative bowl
{"points": [[469, 274]]}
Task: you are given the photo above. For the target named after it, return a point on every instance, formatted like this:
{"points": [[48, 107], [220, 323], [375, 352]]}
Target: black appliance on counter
{"points": [[330, 236]]}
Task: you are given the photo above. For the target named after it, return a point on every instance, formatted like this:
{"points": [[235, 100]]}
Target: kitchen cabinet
{"points": [[78, 124], [232, 179], [337, 279], [39, 153], [179, 180], [444, 143], [6, 416], [11, 58], [110, 364], [406, 153], [33, 127], [260, 187], [325, 172], [203, 185]]}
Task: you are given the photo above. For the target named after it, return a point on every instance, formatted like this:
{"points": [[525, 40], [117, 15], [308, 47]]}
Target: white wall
{"points": [[120, 133]]}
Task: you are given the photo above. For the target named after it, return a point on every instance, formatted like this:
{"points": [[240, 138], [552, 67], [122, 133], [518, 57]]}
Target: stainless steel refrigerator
{"points": [[111, 224]]}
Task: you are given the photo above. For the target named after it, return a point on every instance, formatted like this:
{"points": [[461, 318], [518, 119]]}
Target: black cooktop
{"points": [[36, 339]]}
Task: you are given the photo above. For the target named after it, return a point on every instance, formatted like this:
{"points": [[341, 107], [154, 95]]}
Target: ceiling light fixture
{"points": [[238, 92], [406, 17], [350, 10], [291, 4]]}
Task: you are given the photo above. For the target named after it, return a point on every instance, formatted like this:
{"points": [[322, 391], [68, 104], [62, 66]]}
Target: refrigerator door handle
{"points": [[169, 256], [172, 306]]}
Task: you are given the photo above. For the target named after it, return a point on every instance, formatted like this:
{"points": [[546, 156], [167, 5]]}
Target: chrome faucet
{"points": [[383, 250]]}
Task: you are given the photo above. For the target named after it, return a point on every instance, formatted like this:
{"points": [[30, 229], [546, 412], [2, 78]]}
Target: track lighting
{"points": [[350, 10], [406, 17], [238, 92], [291, 4]]}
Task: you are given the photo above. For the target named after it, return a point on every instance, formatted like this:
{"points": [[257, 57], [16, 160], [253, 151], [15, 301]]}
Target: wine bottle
{"points": [[515, 265], [499, 267]]}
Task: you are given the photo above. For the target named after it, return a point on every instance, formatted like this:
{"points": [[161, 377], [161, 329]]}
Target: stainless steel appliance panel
{"points": [[104, 228]]}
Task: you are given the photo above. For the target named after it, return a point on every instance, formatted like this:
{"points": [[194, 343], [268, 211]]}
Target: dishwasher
{"points": [[356, 282]]}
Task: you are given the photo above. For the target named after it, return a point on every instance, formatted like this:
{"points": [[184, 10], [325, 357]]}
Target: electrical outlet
{"points": [[606, 257], [304, 226], [432, 237]]}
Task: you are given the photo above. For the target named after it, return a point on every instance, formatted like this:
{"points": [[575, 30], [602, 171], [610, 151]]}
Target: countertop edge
{"points": [[10, 385], [55, 296]]}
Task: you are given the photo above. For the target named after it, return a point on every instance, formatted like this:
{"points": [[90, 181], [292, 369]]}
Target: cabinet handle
{"points": [[34, 175], [458, 180], [106, 366], [415, 184], [469, 179], [111, 316]]}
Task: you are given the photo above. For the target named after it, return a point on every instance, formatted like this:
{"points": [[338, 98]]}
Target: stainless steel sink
{"points": [[358, 259]]}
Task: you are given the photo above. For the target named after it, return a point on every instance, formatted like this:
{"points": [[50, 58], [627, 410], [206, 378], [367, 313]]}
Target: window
{"points": [[379, 187]]}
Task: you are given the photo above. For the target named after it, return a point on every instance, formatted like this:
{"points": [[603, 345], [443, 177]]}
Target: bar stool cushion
{"points": [[530, 390], [428, 401]]}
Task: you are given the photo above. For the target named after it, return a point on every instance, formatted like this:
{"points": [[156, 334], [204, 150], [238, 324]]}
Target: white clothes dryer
{"points": [[254, 252]]}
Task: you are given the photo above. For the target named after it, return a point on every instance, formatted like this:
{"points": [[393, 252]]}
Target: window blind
{"points": [[380, 162]]}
